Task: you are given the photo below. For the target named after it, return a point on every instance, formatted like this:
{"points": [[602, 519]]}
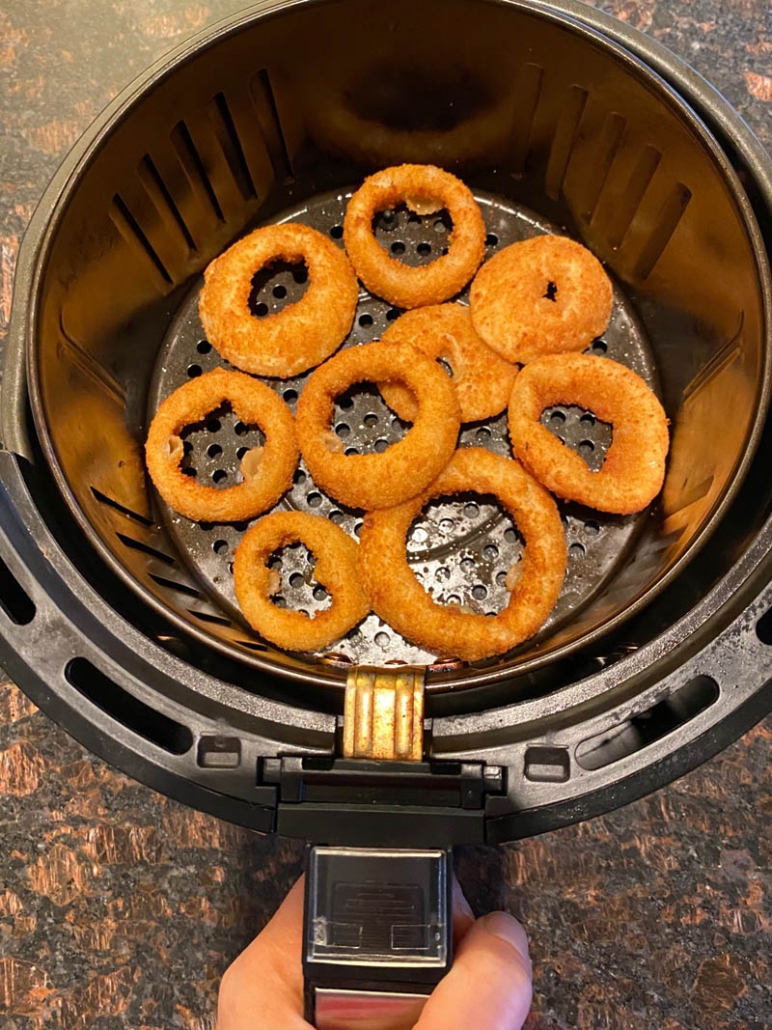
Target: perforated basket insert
{"points": [[557, 132]]}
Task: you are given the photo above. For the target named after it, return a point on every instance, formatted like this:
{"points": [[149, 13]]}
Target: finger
{"points": [[489, 984], [264, 985]]}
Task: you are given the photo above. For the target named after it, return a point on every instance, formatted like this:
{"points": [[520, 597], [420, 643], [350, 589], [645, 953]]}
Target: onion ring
{"points": [[300, 336], [406, 468], [264, 481], [483, 380], [336, 570], [546, 295], [397, 596], [634, 469], [425, 189]]}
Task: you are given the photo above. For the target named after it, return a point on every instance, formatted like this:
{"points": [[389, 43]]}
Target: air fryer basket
{"points": [[131, 636], [266, 120]]}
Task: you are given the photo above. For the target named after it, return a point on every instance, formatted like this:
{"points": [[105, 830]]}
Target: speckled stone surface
{"points": [[121, 909]]}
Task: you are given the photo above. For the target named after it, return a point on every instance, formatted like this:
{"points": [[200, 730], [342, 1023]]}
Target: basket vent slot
{"points": [[170, 584], [194, 166], [151, 552], [627, 205], [231, 145], [528, 90], [132, 232], [110, 502], [564, 141], [264, 99], [667, 222], [657, 722], [126, 709], [159, 192], [608, 148], [214, 620], [14, 600]]}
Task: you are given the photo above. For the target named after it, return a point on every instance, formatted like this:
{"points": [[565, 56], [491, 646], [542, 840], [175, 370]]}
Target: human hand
{"points": [[489, 985]]}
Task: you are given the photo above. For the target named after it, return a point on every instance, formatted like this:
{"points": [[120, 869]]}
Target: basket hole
{"points": [[343, 429], [490, 552], [314, 500], [764, 628], [592, 527], [398, 248], [214, 450], [599, 347], [14, 600], [126, 709], [639, 731], [479, 592], [336, 517], [219, 476], [576, 551], [424, 249], [471, 511], [365, 321], [242, 452], [214, 425], [296, 580], [220, 546], [204, 347], [194, 371], [337, 232], [300, 477], [351, 451], [290, 396], [381, 446], [280, 292], [483, 434], [393, 314], [371, 419], [491, 240], [382, 639]]}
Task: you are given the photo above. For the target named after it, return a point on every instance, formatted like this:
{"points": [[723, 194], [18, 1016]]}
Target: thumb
{"points": [[489, 984]]}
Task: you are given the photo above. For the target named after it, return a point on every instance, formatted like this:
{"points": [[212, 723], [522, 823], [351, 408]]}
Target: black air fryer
{"points": [[118, 617]]}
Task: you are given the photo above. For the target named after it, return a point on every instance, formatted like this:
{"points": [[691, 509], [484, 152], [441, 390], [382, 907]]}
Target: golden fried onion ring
{"points": [[483, 380], [300, 336], [425, 189], [267, 474], [397, 596], [336, 570], [378, 480], [634, 468], [546, 295]]}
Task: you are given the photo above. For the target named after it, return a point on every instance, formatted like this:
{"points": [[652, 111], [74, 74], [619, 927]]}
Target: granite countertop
{"points": [[120, 908]]}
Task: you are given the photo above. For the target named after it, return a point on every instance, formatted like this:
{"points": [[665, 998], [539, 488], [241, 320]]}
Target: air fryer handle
{"points": [[377, 935]]}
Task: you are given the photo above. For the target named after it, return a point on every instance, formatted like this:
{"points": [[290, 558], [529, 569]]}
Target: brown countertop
{"points": [[119, 908]]}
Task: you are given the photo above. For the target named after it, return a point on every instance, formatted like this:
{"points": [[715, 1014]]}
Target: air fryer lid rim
{"points": [[321, 674]]}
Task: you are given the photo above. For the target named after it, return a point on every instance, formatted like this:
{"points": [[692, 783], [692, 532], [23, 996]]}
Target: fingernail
{"points": [[507, 928]]}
